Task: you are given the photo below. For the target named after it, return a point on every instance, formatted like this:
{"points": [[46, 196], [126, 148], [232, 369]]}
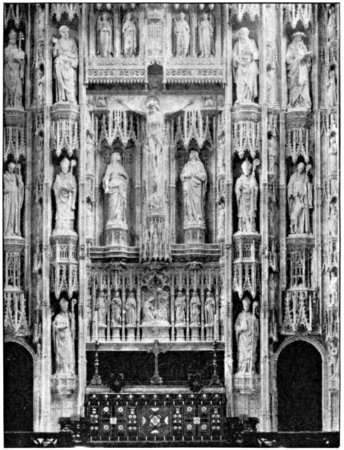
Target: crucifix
{"points": [[156, 349]]}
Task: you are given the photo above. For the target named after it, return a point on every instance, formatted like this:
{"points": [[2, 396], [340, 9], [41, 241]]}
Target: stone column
{"points": [[193, 30]]}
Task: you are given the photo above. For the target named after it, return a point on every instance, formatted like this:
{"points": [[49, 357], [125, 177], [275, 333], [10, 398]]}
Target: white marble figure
{"points": [[13, 191], [331, 25], [246, 191], [63, 338], [333, 219], [148, 310], [104, 35], [333, 287], [66, 60], [65, 189], [194, 179], [209, 309], [332, 88], [298, 60], [332, 159], [180, 305], [129, 32], [195, 309], [115, 184], [247, 334], [40, 86], [116, 310], [206, 36], [130, 309], [14, 60], [245, 55], [162, 311], [102, 310], [221, 218], [182, 35], [300, 200]]}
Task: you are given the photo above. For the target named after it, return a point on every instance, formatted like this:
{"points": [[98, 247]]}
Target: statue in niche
{"points": [[89, 219], [273, 301], [104, 35], [101, 308], [271, 85], [300, 200], [116, 310], [331, 25], [14, 59], [206, 36], [194, 179], [63, 338], [162, 312], [333, 287], [195, 309], [221, 219], [209, 309], [130, 309], [180, 305], [299, 61], [155, 148], [333, 219], [245, 55], [148, 309], [247, 334], [332, 88], [40, 86], [66, 60], [65, 189], [129, 32], [246, 191], [115, 184], [182, 35], [13, 199]]}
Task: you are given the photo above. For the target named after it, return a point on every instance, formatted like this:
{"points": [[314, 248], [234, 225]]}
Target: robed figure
{"points": [[194, 179], [180, 305], [14, 58], [63, 338], [195, 309], [246, 191], [104, 35], [209, 309], [129, 32], [206, 36], [66, 60], [130, 310], [182, 36], [116, 310], [300, 200], [247, 334], [245, 55], [65, 189], [299, 61], [115, 184], [13, 200]]}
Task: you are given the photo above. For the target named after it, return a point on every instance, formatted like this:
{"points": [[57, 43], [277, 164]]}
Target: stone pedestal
{"points": [[180, 332], [209, 332], [130, 333], [116, 235], [116, 333], [194, 234], [195, 328], [63, 383], [101, 333], [153, 331]]}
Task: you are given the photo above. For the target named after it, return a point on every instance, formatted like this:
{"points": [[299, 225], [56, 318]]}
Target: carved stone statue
{"points": [[332, 88], [14, 59], [246, 191], [209, 309], [180, 305], [40, 86], [104, 35], [116, 310], [13, 200], [333, 287], [332, 159], [247, 334], [245, 55], [115, 184], [63, 338], [66, 60], [206, 36], [194, 179], [300, 200], [129, 32], [195, 309], [162, 311], [333, 218], [65, 189], [182, 35], [148, 310], [221, 221], [130, 310], [89, 154], [298, 60], [101, 308]]}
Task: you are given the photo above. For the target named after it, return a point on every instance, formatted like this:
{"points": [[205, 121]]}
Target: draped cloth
{"points": [[245, 55], [66, 63]]}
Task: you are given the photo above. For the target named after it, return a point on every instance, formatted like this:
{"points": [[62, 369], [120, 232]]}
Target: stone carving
{"points": [[247, 334], [182, 36], [40, 23], [332, 88], [63, 338], [300, 200], [104, 35], [221, 220], [333, 218], [101, 308], [209, 309], [156, 308], [206, 36], [332, 160], [333, 287], [40, 86], [194, 179], [65, 190], [245, 55], [66, 60], [300, 311], [195, 309], [13, 200], [180, 305], [332, 25], [89, 154], [116, 310], [246, 191], [129, 32], [298, 60], [115, 184], [130, 309], [13, 72]]}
